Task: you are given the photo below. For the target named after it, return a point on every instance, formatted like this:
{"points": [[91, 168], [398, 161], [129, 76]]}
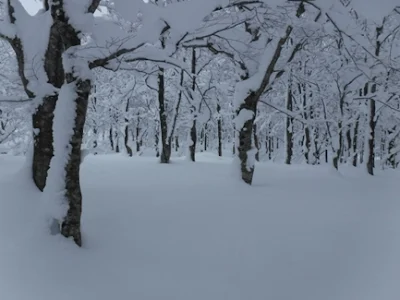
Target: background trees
{"points": [[301, 81]]}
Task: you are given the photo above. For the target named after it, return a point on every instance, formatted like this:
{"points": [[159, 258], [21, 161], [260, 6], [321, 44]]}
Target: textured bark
{"points": [[256, 142], [126, 132], [126, 141], [193, 141], [44, 115], [71, 225], [355, 141], [165, 145], [245, 138], [193, 129], [289, 127], [43, 141], [371, 138], [219, 129], [111, 138]]}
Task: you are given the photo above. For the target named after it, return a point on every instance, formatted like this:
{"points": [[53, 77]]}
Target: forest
{"points": [[259, 85]]}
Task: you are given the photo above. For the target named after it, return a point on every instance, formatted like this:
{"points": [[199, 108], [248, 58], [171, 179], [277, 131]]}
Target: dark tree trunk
{"points": [[126, 140], [111, 138], [71, 225], [245, 138], [43, 141], [193, 129], [256, 142], [205, 137], [165, 144], [349, 142], [126, 134], [371, 138], [355, 141], [219, 129], [289, 127], [193, 141], [157, 141]]}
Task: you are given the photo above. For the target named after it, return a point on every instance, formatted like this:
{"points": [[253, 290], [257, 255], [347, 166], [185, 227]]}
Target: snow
{"points": [[54, 203], [189, 231], [373, 9]]}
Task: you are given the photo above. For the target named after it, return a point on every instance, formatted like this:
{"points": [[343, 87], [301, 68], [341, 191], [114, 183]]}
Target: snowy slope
{"points": [[190, 232]]}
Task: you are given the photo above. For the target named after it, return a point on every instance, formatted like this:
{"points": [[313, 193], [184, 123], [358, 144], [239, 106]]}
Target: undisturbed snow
{"points": [[192, 232]]}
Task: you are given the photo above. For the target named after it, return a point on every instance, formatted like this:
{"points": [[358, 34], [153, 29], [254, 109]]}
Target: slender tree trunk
{"points": [[355, 141], [371, 138], [219, 129], [165, 145], [126, 134], [176, 143], [256, 142], [111, 138], [289, 126], [193, 129], [205, 137]]}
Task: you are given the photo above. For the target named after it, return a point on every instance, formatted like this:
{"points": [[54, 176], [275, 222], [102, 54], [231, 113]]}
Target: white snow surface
{"points": [[189, 231]]}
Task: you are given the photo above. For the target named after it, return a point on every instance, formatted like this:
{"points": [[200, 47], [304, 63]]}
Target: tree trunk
{"points": [[219, 129], [256, 142], [371, 138], [355, 141], [193, 129], [71, 225], [245, 138], [289, 127], [111, 138], [43, 141], [165, 145]]}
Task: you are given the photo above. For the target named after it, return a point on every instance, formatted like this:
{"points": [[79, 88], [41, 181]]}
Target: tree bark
{"points": [[219, 129], [289, 126]]}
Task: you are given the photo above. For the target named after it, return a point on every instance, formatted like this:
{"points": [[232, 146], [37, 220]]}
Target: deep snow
{"points": [[190, 231]]}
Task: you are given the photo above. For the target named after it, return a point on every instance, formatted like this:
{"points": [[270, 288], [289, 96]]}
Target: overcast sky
{"points": [[32, 6]]}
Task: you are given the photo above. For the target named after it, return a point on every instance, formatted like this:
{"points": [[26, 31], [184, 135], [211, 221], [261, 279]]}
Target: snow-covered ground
{"points": [[193, 232]]}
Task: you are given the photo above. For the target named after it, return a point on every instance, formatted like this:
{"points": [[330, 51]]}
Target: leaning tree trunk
{"points": [[71, 225], [43, 149]]}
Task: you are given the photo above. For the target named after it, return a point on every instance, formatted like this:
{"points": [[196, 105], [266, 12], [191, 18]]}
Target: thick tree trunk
{"points": [[245, 138], [43, 141], [71, 225]]}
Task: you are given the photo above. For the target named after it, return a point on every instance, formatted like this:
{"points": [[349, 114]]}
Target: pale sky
{"points": [[32, 6]]}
